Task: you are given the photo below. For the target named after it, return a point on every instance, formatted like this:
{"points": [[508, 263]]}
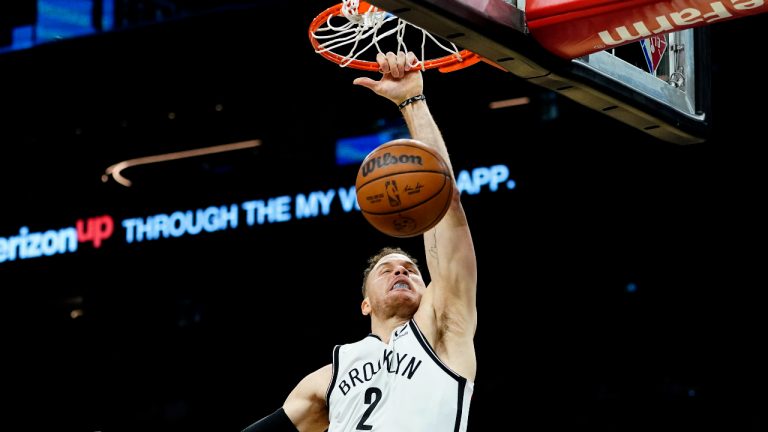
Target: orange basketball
{"points": [[404, 188]]}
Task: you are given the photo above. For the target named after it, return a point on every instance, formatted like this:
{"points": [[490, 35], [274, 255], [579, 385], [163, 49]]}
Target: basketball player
{"points": [[415, 371]]}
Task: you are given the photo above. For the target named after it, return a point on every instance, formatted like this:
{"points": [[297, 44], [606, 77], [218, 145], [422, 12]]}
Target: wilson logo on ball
{"points": [[389, 159]]}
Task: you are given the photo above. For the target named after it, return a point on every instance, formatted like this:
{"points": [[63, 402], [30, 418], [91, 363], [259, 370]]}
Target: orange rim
{"points": [[449, 63]]}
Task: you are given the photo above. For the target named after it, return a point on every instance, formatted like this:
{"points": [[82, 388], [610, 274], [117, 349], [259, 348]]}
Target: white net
{"points": [[361, 28]]}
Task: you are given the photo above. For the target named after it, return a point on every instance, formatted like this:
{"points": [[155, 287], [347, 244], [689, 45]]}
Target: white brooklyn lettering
{"points": [[390, 362]]}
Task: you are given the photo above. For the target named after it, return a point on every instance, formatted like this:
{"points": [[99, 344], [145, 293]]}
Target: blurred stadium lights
{"points": [[116, 169], [510, 102], [27, 23]]}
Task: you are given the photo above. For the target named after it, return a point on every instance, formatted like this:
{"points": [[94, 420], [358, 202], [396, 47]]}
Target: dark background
{"points": [[212, 332]]}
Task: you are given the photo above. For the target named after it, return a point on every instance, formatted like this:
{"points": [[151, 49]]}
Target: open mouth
{"points": [[400, 286]]}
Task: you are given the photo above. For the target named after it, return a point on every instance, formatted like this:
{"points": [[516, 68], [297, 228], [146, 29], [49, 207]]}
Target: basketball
{"points": [[404, 188]]}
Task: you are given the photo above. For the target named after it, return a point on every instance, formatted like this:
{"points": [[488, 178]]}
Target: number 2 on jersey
{"points": [[372, 398]]}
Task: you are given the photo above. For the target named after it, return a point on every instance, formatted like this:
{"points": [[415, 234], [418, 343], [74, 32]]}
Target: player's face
{"points": [[395, 285]]}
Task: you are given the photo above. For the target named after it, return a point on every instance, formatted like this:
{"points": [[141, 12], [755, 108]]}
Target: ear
{"points": [[365, 306]]}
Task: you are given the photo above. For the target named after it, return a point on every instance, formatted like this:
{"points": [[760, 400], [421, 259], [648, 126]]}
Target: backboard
{"points": [[670, 100]]}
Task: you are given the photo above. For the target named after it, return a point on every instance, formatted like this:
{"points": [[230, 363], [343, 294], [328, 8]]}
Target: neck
{"points": [[383, 328]]}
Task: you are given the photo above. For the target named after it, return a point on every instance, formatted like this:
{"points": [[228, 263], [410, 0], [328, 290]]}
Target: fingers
{"points": [[381, 58], [411, 62], [365, 82], [394, 70], [396, 64], [400, 64]]}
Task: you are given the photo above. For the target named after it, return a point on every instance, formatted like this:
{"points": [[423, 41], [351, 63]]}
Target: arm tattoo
{"points": [[432, 249]]}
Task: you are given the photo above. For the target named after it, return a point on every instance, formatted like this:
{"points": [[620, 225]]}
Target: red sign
{"points": [[654, 48], [573, 28]]}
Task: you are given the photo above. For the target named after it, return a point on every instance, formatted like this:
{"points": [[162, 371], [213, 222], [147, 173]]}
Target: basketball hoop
{"points": [[355, 26]]}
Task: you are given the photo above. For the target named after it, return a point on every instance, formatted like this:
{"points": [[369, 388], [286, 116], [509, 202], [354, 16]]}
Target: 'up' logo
{"points": [[95, 229]]}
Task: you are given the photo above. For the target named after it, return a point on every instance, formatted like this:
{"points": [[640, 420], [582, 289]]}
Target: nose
{"points": [[401, 271]]}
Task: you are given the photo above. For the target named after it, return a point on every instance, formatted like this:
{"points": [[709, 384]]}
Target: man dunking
{"points": [[415, 371]]}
